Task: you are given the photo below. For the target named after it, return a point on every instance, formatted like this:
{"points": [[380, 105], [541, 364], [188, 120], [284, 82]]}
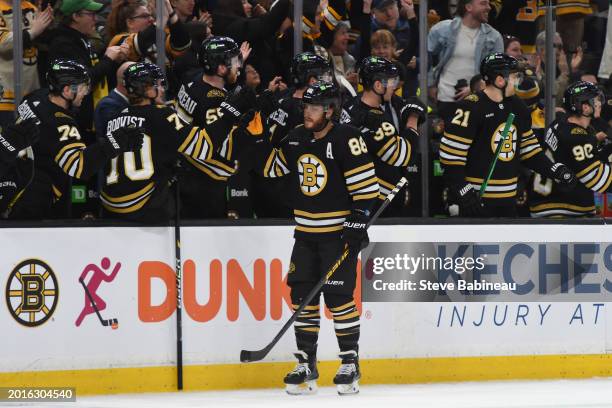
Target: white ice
{"points": [[593, 393]]}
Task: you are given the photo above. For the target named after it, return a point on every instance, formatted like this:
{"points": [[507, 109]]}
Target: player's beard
{"points": [[315, 125]]}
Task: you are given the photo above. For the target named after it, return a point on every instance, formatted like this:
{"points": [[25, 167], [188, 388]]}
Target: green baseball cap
{"points": [[72, 6]]}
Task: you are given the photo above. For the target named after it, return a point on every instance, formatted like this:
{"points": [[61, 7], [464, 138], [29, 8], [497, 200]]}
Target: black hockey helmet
{"points": [[322, 93], [306, 65], [373, 69], [578, 93], [140, 75], [498, 64], [216, 51], [65, 72]]}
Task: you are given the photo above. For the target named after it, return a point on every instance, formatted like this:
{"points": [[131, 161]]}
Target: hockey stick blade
{"points": [[248, 356], [105, 322]]}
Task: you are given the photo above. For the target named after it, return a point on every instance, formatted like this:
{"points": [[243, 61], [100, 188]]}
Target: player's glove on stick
{"points": [[563, 176], [126, 139], [355, 233], [469, 201]]}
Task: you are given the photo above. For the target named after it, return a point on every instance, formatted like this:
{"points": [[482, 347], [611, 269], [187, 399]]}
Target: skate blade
{"points": [[348, 389], [306, 388]]}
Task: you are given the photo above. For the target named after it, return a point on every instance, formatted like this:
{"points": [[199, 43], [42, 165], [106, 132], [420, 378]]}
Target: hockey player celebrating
{"points": [[199, 103], [333, 187], [137, 185], [388, 123], [471, 139], [572, 140], [60, 154], [306, 69]]}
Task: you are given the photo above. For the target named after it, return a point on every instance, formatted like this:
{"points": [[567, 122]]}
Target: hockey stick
{"points": [[247, 356], [179, 279], [105, 322], [505, 134]]}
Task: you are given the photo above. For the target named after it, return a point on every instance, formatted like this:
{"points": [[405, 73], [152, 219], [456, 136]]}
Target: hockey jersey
{"points": [[60, 154], [390, 148], [470, 141], [329, 177], [131, 179], [574, 146]]}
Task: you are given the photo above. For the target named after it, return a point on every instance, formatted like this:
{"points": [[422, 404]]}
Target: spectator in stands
{"points": [[512, 46], [477, 84], [460, 44], [384, 45], [605, 69], [403, 24], [242, 22], [34, 23], [343, 63], [111, 105], [71, 41], [570, 22], [563, 70], [131, 23]]}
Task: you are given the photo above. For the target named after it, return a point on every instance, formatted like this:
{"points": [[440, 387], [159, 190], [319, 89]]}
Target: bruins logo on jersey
{"points": [[508, 150], [313, 174]]}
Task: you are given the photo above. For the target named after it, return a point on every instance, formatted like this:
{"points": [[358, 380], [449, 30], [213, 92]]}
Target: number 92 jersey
{"points": [[331, 176], [575, 147]]}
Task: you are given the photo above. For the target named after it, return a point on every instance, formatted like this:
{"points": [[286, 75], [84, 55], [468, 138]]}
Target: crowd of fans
{"points": [[107, 36]]}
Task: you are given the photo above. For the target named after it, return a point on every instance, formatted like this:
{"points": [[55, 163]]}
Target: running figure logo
{"points": [[93, 302]]}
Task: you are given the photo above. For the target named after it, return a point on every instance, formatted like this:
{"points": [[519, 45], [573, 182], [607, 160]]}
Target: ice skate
{"points": [[302, 380], [348, 375]]}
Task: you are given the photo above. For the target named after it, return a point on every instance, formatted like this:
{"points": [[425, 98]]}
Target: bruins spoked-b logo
{"points": [[508, 150], [32, 292], [313, 174]]}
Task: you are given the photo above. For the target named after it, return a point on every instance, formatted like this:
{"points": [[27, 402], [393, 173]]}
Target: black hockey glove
{"points": [[563, 176], [354, 231], [604, 150], [126, 139], [413, 106], [469, 201], [17, 137], [238, 103]]}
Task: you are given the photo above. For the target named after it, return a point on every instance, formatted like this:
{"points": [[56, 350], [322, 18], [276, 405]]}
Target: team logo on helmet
{"points": [[508, 150], [313, 174]]}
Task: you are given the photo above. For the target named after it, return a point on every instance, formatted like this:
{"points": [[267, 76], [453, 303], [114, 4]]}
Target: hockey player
{"points": [[470, 141], [388, 124], [13, 139], [60, 155], [333, 187], [199, 103], [571, 140], [287, 113], [306, 68], [137, 185]]}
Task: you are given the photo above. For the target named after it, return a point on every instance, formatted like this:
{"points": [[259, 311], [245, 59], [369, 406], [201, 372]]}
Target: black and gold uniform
{"points": [[199, 103], [576, 146], [471, 138], [60, 155], [389, 141], [136, 184], [333, 187]]}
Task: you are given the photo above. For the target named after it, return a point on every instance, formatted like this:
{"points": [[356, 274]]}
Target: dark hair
{"points": [[230, 8], [475, 79], [121, 10], [509, 39], [461, 7]]}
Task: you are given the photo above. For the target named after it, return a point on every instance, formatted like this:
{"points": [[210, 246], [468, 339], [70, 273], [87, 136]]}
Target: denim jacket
{"points": [[442, 39]]}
